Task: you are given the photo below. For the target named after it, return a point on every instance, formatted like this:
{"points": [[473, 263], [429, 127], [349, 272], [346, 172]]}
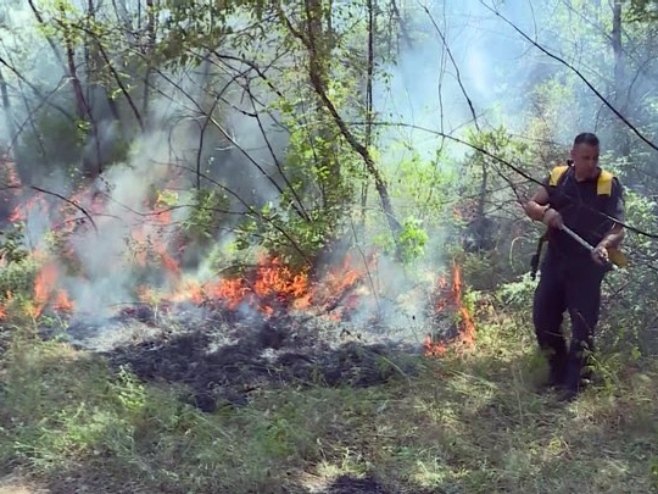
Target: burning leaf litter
{"points": [[221, 337], [224, 349]]}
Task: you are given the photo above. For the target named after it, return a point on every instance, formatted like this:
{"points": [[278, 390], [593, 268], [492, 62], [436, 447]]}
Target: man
{"points": [[583, 197]]}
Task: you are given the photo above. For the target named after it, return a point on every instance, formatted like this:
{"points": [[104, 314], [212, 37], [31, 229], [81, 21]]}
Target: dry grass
{"points": [[14, 484], [467, 424]]}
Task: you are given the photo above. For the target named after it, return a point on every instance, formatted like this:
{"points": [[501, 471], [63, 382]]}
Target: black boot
{"points": [[577, 369], [568, 394], [557, 375]]}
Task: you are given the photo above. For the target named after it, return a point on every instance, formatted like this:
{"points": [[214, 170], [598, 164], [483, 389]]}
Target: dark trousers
{"points": [[573, 285]]}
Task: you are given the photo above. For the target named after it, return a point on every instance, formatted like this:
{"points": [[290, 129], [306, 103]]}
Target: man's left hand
{"points": [[600, 255]]}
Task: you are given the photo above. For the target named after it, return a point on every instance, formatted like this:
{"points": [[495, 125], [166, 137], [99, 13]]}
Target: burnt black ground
{"points": [[222, 357], [346, 484], [350, 485]]}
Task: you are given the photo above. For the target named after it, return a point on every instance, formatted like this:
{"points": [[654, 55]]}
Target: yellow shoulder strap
{"points": [[556, 173], [604, 183]]}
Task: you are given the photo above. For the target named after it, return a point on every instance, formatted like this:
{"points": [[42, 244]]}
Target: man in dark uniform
{"points": [[586, 199]]}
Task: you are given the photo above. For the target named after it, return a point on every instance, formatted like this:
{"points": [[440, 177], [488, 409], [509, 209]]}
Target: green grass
{"points": [[466, 424]]}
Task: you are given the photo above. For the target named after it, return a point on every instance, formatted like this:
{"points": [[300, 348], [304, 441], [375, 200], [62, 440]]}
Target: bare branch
{"points": [[59, 196], [302, 211], [255, 213], [507, 164], [117, 77], [36, 91], [359, 148], [454, 64], [578, 73]]}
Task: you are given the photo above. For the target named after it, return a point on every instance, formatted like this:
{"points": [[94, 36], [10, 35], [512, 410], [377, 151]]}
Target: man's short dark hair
{"points": [[586, 138]]}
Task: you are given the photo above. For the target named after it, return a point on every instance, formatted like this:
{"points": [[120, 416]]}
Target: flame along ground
{"points": [[271, 286], [449, 296]]}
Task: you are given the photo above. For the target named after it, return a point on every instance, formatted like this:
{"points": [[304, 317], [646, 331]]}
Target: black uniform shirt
{"points": [[581, 208]]}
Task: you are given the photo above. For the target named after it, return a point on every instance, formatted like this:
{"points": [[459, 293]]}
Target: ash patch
{"points": [[90, 332], [351, 485], [222, 359], [346, 484]]}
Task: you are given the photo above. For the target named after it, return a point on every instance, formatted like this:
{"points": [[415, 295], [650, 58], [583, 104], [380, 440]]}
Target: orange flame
{"points": [[170, 264], [33, 203], [466, 330], [467, 325], [432, 348], [232, 291], [441, 302], [273, 285], [45, 292], [189, 291], [44, 284], [338, 283], [275, 282], [8, 299], [62, 302], [150, 244], [270, 286]]}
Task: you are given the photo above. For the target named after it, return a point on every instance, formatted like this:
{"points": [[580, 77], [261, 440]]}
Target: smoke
{"points": [[112, 260], [456, 53], [482, 61]]}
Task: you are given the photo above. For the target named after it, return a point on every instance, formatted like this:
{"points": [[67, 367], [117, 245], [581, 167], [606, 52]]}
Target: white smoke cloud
{"points": [[423, 91]]}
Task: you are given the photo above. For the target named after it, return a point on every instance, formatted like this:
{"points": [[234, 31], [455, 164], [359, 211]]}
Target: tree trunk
{"points": [[5, 196], [369, 102], [320, 40], [317, 74], [620, 101], [91, 166], [6, 105], [148, 53]]}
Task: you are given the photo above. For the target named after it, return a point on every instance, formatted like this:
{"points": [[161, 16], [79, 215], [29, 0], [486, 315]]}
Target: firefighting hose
{"points": [[609, 265], [617, 257]]}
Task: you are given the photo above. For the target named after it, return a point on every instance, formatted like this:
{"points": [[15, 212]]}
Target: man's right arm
{"points": [[538, 209]]}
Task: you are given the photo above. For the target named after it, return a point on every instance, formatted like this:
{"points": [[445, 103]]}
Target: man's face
{"points": [[585, 159]]}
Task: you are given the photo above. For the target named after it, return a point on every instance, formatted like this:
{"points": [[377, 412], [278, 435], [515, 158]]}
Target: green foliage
{"points": [[18, 269], [12, 246], [500, 143], [58, 142], [17, 278], [517, 295], [320, 170], [424, 186], [189, 27], [643, 11], [631, 305], [413, 239], [207, 212], [411, 244], [286, 236], [486, 270], [476, 429]]}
